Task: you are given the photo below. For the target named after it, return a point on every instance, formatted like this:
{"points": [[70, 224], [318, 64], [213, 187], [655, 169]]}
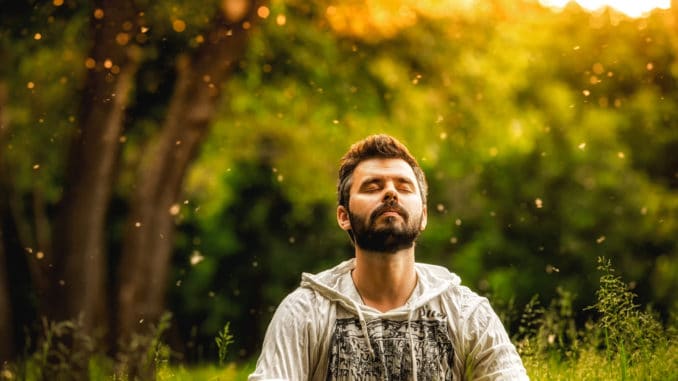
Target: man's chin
{"points": [[386, 243], [389, 225]]}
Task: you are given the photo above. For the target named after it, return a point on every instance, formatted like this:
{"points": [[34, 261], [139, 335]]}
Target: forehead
{"points": [[383, 168]]}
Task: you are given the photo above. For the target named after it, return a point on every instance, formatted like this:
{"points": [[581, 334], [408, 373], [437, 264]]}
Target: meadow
{"points": [[623, 341], [548, 137]]}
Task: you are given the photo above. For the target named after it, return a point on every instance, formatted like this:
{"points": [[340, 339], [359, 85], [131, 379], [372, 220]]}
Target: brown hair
{"points": [[375, 147]]}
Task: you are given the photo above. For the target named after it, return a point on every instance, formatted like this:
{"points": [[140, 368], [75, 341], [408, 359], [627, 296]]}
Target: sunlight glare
{"points": [[633, 8]]}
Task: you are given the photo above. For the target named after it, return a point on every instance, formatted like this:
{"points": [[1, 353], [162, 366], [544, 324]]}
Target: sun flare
{"points": [[633, 8]]}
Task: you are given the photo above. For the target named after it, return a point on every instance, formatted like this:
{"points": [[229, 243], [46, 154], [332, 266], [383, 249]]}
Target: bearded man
{"points": [[381, 315]]}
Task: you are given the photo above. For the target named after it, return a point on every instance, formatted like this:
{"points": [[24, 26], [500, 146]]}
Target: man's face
{"points": [[385, 209]]}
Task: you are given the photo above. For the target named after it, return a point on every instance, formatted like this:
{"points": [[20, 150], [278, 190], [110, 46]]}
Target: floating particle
{"points": [[263, 12], [550, 269], [179, 25], [196, 258], [174, 209]]}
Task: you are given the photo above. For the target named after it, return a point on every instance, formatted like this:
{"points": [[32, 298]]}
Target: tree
{"points": [[148, 242], [71, 272], [6, 324], [77, 284]]}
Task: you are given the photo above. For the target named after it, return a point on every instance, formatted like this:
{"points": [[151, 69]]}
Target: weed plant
{"points": [[622, 343]]}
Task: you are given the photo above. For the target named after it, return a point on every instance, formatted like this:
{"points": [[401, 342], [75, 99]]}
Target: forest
{"points": [[169, 169]]}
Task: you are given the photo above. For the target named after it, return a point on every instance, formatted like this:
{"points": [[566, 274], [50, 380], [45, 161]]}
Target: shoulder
{"points": [[446, 283], [302, 299], [448, 286]]}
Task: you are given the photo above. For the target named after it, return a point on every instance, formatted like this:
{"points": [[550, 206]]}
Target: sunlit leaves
{"points": [[548, 138], [378, 19], [41, 69]]}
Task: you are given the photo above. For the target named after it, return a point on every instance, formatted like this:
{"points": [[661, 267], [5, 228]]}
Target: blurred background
{"points": [[182, 156]]}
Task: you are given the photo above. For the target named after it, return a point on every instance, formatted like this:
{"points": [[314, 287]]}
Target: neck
{"points": [[384, 280]]}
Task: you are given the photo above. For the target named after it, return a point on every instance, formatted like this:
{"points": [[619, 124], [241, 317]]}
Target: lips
{"points": [[389, 211]]}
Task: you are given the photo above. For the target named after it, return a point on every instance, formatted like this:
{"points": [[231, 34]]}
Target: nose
{"points": [[390, 194]]}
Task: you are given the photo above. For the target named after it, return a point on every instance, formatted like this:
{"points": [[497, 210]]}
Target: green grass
{"points": [[102, 370], [592, 364], [623, 343], [228, 372]]}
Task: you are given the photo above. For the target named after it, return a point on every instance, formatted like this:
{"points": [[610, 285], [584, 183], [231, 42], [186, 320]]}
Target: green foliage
{"points": [[530, 130], [548, 140], [626, 329], [241, 261], [143, 355], [223, 339], [41, 64], [623, 342], [62, 351], [549, 330]]}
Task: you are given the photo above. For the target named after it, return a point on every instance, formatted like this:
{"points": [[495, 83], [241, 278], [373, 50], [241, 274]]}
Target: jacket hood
{"points": [[431, 282], [334, 284]]}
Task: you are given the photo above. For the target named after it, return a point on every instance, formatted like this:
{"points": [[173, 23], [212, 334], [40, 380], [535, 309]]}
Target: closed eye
{"points": [[371, 186], [405, 185]]}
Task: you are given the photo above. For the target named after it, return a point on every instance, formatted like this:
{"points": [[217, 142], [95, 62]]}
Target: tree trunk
{"points": [[79, 240], [149, 233], [6, 332]]}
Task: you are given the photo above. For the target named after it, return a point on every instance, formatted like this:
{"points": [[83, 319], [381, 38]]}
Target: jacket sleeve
{"points": [[286, 353], [491, 354]]}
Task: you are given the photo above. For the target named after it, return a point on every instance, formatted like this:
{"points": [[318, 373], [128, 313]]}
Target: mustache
{"points": [[389, 207]]}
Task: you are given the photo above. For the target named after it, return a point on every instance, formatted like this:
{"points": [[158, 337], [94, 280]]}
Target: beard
{"points": [[385, 234]]}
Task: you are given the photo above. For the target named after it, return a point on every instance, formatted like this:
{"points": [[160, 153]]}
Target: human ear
{"points": [[424, 219], [342, 218]]}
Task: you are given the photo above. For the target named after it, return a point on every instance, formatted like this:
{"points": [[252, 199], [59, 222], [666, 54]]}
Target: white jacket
{"points": [[322, 331]]}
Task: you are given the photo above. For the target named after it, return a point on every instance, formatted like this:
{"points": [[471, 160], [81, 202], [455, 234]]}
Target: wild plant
{"points": [[223, 339], [143, 354], [627, 331], [622, 341], [552, 331], [528, 331], [64, 351]]}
